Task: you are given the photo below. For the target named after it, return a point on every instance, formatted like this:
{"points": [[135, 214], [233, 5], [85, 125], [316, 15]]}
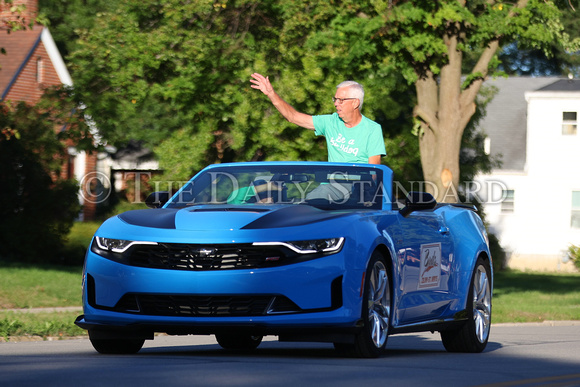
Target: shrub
{"points": [[37, 208], [498, 254], [574, 254]]}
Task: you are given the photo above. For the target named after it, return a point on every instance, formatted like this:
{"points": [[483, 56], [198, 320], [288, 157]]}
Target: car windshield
{"points": [[325, 187]]}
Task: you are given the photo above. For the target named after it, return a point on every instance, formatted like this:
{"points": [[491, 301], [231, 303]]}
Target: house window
{"points": [[39, 70], [575, 215], [569, 123], [507, 204], [487, 146]]}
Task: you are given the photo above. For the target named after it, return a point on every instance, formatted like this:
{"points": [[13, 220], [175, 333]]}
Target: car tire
{"points": [[238, 342], [371, 341], [472, 336], [116, 346]]}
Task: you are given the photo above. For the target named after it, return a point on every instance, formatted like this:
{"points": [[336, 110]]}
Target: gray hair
{"points": [[358, 91]]}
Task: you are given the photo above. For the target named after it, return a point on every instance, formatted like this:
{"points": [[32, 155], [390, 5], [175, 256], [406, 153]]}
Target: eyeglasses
{"points": [[340, 100]]}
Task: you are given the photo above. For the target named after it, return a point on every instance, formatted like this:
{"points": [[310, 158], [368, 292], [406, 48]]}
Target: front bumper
{"points": [[315, 295]]}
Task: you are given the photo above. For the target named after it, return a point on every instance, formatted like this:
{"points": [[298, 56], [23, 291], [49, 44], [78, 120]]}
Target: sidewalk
{"points": [[45, 310]]}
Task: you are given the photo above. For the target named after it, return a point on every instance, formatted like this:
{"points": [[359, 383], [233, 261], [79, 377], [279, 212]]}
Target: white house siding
{"points": [[537, 234]]}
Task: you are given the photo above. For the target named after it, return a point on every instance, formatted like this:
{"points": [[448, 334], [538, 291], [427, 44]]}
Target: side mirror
{"points": [[417, 201], [157, 199]]}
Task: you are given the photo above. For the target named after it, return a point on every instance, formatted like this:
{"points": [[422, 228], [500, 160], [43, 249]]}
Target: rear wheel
{"points": [[116, 346], [473, 335], [241, 342], [376, 312]]}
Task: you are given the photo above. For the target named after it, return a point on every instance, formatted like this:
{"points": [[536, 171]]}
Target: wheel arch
{"points": [[386, 253], [486, 256], [465, 281]]}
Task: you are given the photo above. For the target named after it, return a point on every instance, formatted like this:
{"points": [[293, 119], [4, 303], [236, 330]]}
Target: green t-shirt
{"points": [[350, 145], [241, 195]]}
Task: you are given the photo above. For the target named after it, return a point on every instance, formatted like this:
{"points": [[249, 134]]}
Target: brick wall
{"points": [[38, 74], [30, 12]]}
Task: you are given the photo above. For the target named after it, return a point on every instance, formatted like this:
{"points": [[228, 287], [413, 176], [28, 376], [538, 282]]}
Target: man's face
{"points": [[344, 102]]}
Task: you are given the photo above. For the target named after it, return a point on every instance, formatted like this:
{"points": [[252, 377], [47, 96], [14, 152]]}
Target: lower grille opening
{"points": [[205, 306]]}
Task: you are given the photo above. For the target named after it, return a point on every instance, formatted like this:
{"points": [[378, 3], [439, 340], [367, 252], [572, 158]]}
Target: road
{"points": [[517, 355]]}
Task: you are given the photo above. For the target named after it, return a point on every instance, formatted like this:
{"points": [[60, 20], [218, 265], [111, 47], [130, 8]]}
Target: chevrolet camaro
{"points": [[305, 251]]}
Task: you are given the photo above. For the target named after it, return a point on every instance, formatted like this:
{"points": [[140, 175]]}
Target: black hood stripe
{"points": [[288, 216], [155, 218], [295, 215]]}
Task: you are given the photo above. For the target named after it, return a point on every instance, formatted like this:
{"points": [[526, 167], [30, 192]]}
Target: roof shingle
{"points": [[18, 46]]}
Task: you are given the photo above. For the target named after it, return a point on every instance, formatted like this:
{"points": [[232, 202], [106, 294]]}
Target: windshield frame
{"points": [[362, 186]]}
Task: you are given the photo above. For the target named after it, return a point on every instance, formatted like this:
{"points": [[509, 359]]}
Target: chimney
{"points": [[25, 17]]}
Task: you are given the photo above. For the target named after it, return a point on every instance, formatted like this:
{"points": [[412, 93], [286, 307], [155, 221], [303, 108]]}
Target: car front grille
{"points": [[193, 257], [205, 306]]}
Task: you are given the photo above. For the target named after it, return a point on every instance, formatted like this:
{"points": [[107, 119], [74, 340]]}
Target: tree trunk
{"points": [[444, 110], [440, 109]]}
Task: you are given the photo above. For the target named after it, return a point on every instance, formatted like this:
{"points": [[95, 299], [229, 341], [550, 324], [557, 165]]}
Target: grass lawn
{"points": [[45, 325], [39, 286], [518, 297], [528, 297]]}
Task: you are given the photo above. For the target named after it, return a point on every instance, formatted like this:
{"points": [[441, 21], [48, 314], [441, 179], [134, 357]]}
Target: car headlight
{"points": [[330, 245], [118, 245]]}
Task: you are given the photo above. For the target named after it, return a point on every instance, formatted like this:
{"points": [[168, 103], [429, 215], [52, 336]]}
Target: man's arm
{"points": [[288, 112], [375, 159]]}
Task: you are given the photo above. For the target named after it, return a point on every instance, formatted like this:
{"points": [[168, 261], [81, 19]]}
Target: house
{"points": [[532, 202], [32, 63]]}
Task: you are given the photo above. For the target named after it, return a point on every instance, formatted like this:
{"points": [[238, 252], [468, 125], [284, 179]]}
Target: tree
{"points": [[516, 60], [169, 72], [67, 19], [176, 75], [429, 41], [38, 208]]}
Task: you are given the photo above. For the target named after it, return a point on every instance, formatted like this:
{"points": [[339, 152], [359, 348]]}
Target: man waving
{"points": [[350, 136]]}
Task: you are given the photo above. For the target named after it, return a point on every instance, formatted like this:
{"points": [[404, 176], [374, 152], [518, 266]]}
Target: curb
{"points": [[550, 323], [45, 310]]}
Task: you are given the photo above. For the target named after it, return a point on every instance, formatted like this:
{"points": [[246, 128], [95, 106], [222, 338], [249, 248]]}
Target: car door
{"points": [[424, 267]]}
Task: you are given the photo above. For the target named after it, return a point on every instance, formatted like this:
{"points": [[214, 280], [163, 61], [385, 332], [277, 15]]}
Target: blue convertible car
{"points": [[305, 251]]}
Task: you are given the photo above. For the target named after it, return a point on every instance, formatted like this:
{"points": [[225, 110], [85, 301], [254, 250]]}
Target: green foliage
{"points": [[473, 159], [498, 254], [44, 325], [574, 254], [17, 21], [38, 209], [67, 19], [176, 75], [416, 32], [518, 60]]}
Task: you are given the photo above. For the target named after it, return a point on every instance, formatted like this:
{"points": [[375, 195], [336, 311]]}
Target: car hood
{"points": [[207, 218]]}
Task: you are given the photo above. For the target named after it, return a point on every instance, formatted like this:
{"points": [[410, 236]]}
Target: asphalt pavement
{"points": [[530, 354]]}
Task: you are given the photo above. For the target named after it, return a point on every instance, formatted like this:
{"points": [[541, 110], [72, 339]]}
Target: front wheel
{"points": [[474, 334], [376, 311], [116, 346]]}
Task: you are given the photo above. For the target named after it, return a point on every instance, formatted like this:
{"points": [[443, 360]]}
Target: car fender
{"points": [[371, 234], [469, 232]]}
